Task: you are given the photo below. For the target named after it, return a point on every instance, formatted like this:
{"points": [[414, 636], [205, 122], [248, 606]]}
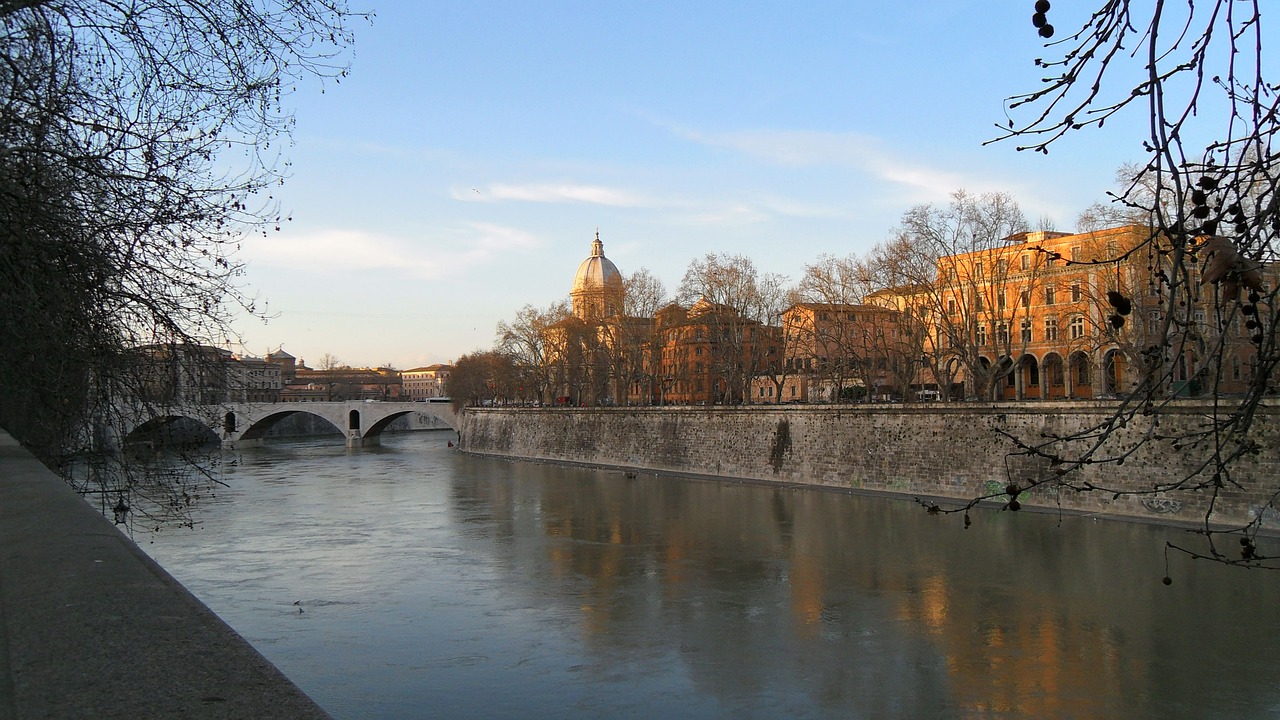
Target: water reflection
{"points": [[436, 584]]}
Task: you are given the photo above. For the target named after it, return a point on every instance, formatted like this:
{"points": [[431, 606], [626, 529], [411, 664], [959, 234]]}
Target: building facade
{"points": [[422, 383], [1034, 316]]}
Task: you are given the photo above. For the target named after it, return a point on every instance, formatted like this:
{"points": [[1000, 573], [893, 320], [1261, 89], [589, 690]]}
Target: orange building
{"points": [[838, 351], [1053, 315], [709, 354]]}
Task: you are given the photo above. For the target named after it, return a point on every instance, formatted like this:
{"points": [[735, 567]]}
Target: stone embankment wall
{"points": [[957, 451]]}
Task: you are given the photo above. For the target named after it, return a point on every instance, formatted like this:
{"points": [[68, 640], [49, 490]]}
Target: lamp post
{"points": [[121, 511]]}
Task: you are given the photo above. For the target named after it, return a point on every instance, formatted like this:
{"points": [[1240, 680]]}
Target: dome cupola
{"points": [[597, 287]]}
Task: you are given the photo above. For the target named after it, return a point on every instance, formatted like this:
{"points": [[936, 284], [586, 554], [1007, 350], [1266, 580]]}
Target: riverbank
{"points": [[935, 450], [91, 627]]}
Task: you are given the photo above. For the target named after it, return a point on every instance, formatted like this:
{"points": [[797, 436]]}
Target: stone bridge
{"points": [[241, 425]]}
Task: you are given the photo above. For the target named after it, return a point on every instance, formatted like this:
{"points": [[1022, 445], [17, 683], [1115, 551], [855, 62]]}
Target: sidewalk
{"points": [[90, 627]]}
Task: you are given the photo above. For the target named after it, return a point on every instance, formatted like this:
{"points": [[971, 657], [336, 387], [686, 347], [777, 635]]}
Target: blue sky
{"points": [[462, 169]]}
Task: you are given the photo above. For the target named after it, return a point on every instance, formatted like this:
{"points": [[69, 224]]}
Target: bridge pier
{"points": [[355, 439]]}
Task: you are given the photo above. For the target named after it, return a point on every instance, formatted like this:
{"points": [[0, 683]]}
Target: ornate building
{"points": [[596, 355]]}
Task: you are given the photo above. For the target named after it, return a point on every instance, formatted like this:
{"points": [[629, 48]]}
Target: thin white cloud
{"points": [[334, 251], [862, 152], [553, 193]]}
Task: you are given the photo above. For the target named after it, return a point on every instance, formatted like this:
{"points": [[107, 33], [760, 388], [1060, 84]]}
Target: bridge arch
{"points": [[170, 428], [258, 429]]}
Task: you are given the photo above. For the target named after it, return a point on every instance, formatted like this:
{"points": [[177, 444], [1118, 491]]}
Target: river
{"points": [[410, 580]]}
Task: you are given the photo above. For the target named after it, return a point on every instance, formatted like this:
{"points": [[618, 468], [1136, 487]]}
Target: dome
{"points": [[596, 272], [597, 288]]}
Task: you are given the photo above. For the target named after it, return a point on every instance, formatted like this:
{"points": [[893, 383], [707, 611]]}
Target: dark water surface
{"points": [[434, 584]]}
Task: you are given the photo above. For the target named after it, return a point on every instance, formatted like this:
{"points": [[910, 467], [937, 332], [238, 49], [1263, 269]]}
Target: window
{"points": [[951, 306], [1076, 293], [977, 270], [1002, 333], [1026, 262], [980, 335], [1002, 267], [977, 302], [1075, 254], [1025, 298], [1026, 330], [1075, 330], [1000, 300], [1050, 295], [1051, 329]]}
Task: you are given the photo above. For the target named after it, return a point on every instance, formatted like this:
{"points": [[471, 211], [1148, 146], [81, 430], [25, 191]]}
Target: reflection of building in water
{"points": [[1013, 658], [868, 606]]}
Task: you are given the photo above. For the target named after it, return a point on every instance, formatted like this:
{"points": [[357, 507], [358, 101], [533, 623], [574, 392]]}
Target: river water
{"points": [[410, 580]]}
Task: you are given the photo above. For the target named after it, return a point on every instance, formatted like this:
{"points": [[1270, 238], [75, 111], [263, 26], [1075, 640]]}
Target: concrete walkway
{"points": [[90, 627]]}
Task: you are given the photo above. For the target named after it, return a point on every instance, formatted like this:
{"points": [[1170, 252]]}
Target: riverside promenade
{"points": [[90, 627]]}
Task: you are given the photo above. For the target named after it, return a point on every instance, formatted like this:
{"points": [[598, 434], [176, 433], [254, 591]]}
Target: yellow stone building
{"points": [[1049, 315]]}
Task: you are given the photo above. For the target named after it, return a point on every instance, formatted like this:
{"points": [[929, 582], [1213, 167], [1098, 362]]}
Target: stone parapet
{"points": [[936, 450]]}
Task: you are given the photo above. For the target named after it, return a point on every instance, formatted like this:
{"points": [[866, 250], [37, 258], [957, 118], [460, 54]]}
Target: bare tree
{"points": [[1195, 72], [743, 305], [631, 337], [536, 340], [482, 377], [957, 266], [140, 141], [823, 333]]}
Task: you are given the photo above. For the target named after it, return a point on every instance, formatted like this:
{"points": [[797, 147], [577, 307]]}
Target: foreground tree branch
{"points": [[139, 142], [1207, 188]]}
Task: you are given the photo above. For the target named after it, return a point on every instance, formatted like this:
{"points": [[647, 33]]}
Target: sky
{"points": [[464, 166]]}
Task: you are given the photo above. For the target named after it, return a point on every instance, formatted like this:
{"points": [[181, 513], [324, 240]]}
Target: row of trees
{"points": [[893, 310]]}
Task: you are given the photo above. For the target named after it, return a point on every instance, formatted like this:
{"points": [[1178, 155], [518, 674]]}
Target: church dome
{"points": [[596, 272], [597, 288]]}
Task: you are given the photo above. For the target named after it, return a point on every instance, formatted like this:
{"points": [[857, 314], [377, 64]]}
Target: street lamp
{"points": [[121, 511]]}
